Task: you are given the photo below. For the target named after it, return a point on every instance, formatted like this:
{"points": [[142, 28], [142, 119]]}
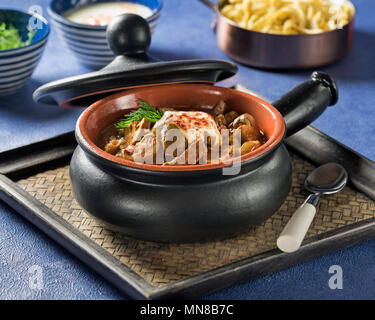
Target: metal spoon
{"points": [[326, 179]]}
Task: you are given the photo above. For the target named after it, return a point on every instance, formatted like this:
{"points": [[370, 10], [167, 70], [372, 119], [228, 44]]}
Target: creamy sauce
{"points": [[195, 125], [100, 14]]}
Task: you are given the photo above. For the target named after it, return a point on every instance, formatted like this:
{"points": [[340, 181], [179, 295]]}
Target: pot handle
{"points": [[209, 4], [307, 101]]}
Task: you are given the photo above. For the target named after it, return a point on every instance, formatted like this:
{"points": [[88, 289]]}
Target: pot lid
{"points": [[132, 67]]}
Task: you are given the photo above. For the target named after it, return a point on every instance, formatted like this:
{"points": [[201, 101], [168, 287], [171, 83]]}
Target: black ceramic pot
{"points": [[187, 204]]}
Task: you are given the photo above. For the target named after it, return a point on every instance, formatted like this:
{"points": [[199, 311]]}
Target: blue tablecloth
{"points": [[184, 33]]}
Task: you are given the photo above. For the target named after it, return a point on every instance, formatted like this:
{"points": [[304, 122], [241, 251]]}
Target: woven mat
{"points": [[161, 264]]}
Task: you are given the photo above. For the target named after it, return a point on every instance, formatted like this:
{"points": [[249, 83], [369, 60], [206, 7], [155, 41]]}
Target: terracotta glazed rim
{"points": [[273, 141]]}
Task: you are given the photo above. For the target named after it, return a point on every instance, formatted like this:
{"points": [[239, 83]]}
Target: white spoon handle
{"points": [[294, 232]]}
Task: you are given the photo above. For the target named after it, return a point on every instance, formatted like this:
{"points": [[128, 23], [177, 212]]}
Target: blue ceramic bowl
{"points": [[17, 65], [88, 43]]}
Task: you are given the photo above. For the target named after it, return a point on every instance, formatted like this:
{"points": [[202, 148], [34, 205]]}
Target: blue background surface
{"points": [[184, 33]]}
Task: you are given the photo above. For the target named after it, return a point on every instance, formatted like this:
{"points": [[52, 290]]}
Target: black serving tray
{"points": [[310, 143]]}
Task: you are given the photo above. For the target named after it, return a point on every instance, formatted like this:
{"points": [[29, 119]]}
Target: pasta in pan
{"points": [[289, 16]]}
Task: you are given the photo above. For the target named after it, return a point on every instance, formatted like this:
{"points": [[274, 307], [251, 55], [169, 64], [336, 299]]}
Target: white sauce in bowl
{"points": [[100, 14]]}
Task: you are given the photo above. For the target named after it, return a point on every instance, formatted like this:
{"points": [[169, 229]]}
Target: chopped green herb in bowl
{"points": [[11, 39], [22, 41]]}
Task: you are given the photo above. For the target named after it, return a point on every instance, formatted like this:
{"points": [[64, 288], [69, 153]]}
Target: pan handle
{"points": [[307, 101], [209, 4]]}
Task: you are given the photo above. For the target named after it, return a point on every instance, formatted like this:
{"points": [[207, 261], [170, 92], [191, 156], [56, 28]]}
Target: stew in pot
{"points": [[181, 135]]}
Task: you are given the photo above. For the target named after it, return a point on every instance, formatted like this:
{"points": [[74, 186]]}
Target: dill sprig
{"points": [[144, 111]]}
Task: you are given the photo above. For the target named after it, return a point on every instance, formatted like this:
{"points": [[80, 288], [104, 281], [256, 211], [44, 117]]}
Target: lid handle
{"points": [[129, 34]]}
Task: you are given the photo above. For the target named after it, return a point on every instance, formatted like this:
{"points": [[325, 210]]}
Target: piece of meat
{"points": [[245, 118], [142, 129], [219, 108], [129, 149], [195, 153], [220, 120], [145, 150], [230, 116], [248, 133], [249, 146], [113, 145]]}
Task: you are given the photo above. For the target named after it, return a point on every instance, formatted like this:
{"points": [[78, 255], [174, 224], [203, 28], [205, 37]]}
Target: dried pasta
{"points": [[289, 16]]}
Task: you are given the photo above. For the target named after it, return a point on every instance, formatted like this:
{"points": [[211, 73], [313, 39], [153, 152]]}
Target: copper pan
{"points": [[273, 51]]}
